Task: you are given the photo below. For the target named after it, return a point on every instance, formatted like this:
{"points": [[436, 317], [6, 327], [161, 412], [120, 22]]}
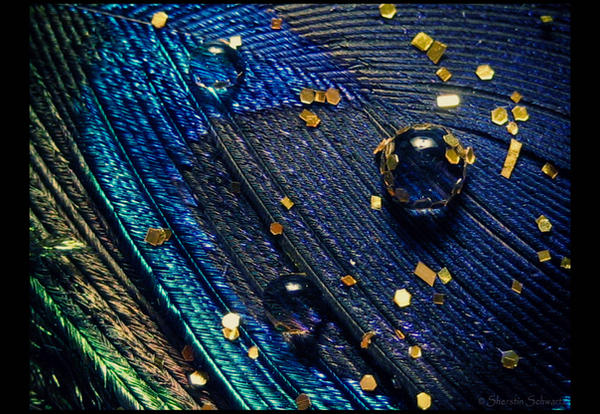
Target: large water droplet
{"points": [[421, 169], [217, 68]]}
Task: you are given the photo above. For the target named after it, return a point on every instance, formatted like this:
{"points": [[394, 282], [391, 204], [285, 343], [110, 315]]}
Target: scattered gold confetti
{"points": [[198, 378], [208, 406], [231, 320], [516, 97], [287, 203], [307, 96], [422, 41], [517, 286], [302, 402], [550, 170], [565, 263], [276, 228], [485, 72], [425, 273], [276, 23], [511, 158], [448, 101], [543, 224], [470, 156], [399, 334], [544, 255], [499, 116], [451, 140], [509, 359], [348, 280], [320, 96], [187, 353], [159, 20], [235, 41], [332, 96], [452, 156], [375, 202], [546, 19], [231, 334], [156, 237], [436, 51], [253, 352], [423, 400], [368, 383], [387, 10], [444, 275], [414, 351], [438, 298], [366, 339], [512, 127], [443, 73], [402, 297], [520, 113]]}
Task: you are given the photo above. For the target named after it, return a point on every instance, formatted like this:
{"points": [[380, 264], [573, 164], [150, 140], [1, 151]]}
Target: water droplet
{"points": [[421, 169]]}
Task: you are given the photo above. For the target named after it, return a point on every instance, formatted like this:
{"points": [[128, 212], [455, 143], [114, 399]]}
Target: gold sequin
{"points": [[231, 320], [276, 23], [303, 402], [517, 286], [512, 128], [287, 203], [332, 96], [157, 237], [159, 19], [402, 297], [320, 96], [511, 158], [399, 334], [444, 275], [499, 116], [485, 72], [235, 41], [198, 378], [520, 113], [448, 101], [375, 202], [425, 273], [208, 406], [509, 359], [348, 280], [422, 41], [187, 353], [368, 383], [438, 298], [313, 122], [414, 351], [253, 352], [451, 140], [543, 224], [436, 51], [382, 145], [565, 263], [544, 255], [516, 97], [366, 339], [550, 170], [231, 334], [470, 156], [387, 10], [307, 96], [276, 228], [392, 162], [546, 19], [452, 156], [443, 73], [423, 400], [305, 115]]}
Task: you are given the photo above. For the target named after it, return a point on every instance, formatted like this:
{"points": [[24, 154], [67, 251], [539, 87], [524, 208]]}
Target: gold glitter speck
{"points": [[509, 359], [565, 263], [235, 41], [422, 41], [348, 280], [366, 339], [157, 237], [198, 378], [307, 96], [399, 334], [511, 158], [436, 51], [448, 101], [287, 203], [444, 275], [520, 113], [485, 72], [499, 116], [438, 298], [231, 320], [303, 402], [544, 255], [517, 286], [320, 96], [276, 23], [253, 352], [451, 140], [425, 273], [423, 400], [375, 202], [231, 334], [368, 383], [276, 228], [392, 162], [387, 10], [444, 74], [159, 19], [452, 156], [313, 122], [550, 170], [414, 351], [402, 297], [305, 115], [512, 127], [516, 97], [546, 19], [470, 156], [543, 224], [333, 96], [208, 406]]}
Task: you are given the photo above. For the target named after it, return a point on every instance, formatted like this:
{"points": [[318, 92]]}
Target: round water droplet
{"points": [[217, 68], [293, 306], [423, 166]]}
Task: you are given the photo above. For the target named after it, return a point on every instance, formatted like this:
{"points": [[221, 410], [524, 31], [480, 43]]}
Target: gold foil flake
{"points": [[348, 280], [544, 255], [156, 237], [438, 298], [451, 140], [543, 224], [402, 298], [392, 162], [512, 127], [485, 72], [198, 378], [422, 41], [546, 19], [448, 101], [565, 263], [443, 73], [305, 115], [444, 275], [425, 273], [423, 400], [414, 351], [287, 203], [313, 122], [320, 96], [231, 320], [368, 383], [499, 116], [276, 228], [307, 96], [366, 339], [375, 202], [452, 156], [253, 352], [517, 286], [231, 334], [332, 96], [389, 148], [187, 353], [516, 97], [382, 145], [208, 406], [470, 156], [235, 41], [387, 11], [520, 113], [303, 402], [159, 19], [399, 334], [550, 170], [276, 23], [511, 158], [509, 359], [436, 51]]}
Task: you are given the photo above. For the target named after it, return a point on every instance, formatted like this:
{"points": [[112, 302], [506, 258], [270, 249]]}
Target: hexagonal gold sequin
{"points": [[436, 51], [499, 116], [512, 127], [231, 320], [157, 237], [332, 96], [443, 73], [451, 140], [423, 400], [348, 280], [307, 96], [402, 297], [516, 97], [392, 162], [422, 41], [375, 202], [517, 286], [565, 263], [368, 383], [387, 10], [485, 72], [159, 19], [303, 402], [509, 359], [198, 378], [366, 339], [276, 228], [313, 122], [452, 156], [253, 352], [544, 255], [444, 275], [414, 351], [550, 170], [287, 203], [543, 224], [276, 23], [231, 334], [425, 273], [520, 113]]}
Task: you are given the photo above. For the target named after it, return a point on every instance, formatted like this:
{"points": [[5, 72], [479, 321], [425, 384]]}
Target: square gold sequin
{"points": [[517, 286], [425, 273], [550, 170], [375, 202], [544, 255], [443, 73], [436, 51], [422, 41]]}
